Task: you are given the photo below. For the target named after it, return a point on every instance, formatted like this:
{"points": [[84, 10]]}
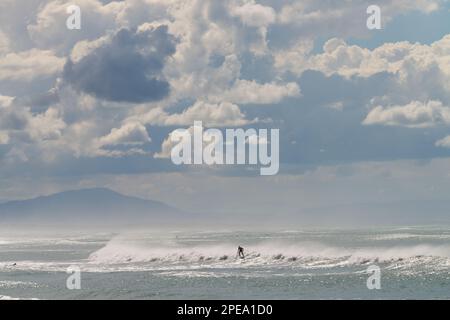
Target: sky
{"points": [[364, 115]]}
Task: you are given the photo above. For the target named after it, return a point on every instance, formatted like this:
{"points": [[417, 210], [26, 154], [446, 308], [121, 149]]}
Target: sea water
{"points": [[414, 262]]}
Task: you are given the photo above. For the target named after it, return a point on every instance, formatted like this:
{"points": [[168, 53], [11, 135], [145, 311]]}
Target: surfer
{"points": [[241, 252]]}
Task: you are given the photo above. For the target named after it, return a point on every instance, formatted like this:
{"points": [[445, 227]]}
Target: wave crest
{"points": [[266, 253]]}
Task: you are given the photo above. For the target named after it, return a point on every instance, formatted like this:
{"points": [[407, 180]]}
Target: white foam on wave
{"points": [[119, 251], [131, 252], [305, 254], [402, 252], [405, 236], [4, 242]]}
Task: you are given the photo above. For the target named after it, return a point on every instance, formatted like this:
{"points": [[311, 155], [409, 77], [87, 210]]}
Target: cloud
{"points": [[223, 114], [295, 58], [4, 43], [49, 30], [413, 71], [46, 126], [444, 142], [30, 137], [30, 65], [13, 118], [28, 128], [172, 62], [313, 18], [126, 69], [404, 59], [347, 60], [128, 134], [138, 12], [413, 115], [4, 137], [13, 21], [246, 92], [5, 101], [255, 15]]}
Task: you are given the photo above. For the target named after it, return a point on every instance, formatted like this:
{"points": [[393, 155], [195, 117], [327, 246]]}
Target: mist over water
{"points": [[291, 264]]}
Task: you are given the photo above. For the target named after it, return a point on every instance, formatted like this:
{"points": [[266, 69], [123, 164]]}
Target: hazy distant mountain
{"points": [[87, 206]]}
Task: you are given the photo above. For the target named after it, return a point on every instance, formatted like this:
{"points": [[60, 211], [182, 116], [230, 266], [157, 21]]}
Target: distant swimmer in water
{"points": [[241, 252]]}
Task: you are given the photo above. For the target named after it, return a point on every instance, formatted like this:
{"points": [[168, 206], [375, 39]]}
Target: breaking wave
{"points": [[269, 253], [408, 236]]}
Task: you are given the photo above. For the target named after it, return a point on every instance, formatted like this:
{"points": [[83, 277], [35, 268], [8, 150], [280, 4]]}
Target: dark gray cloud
{"points": [[127, 69]]}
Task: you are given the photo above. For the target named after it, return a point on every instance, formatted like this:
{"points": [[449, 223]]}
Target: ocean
{"points": [[413, 263]]}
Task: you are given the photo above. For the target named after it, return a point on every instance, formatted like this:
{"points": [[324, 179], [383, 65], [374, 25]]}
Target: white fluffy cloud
{"points": [[444, 142], [129, 134], [29, 65], [246, 92], [416, 72], [295, 58], [326, 17], [255, 15], [226, 57], [346, 60], [4, 137], [413, 115], [5, 101], [50, 30], [30, 137], [223, 114], [46, 126], [26, 127]]}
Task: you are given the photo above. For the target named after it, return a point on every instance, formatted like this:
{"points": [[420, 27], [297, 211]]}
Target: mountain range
{"points": [[97, 206]]}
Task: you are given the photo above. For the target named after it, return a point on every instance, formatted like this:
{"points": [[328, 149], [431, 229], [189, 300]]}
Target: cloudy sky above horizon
{"points": [[364, 115]]}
